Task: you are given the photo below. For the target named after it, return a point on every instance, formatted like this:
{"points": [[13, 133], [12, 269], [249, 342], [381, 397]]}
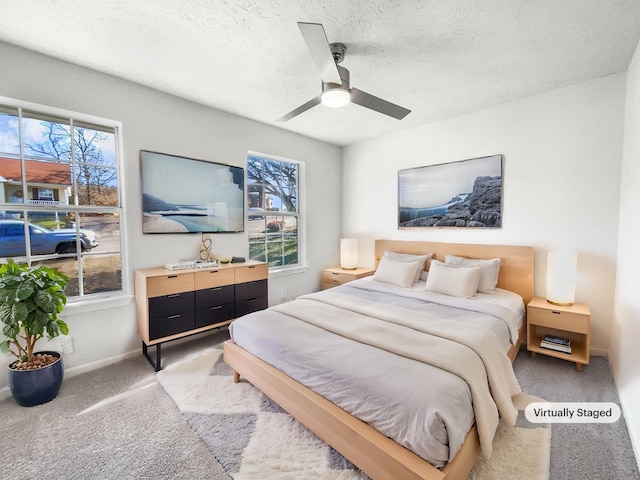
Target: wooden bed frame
{"points": [[375, 454]]}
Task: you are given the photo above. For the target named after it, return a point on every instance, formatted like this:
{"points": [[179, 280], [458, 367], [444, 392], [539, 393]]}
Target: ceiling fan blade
{"points": [[318, 45], [301, 109], [379, 105]]}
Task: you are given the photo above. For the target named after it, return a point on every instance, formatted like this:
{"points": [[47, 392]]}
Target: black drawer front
{"points": [[171, 324], [171, 304], [219, 313], [252, 305], [250, 290], [211, 297]]}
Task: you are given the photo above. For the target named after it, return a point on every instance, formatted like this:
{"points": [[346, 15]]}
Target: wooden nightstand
{"points": [[572, 322], [337, 276]]}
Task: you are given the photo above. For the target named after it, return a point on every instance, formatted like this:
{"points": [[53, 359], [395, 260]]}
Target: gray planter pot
{"points": [[34, 387]]}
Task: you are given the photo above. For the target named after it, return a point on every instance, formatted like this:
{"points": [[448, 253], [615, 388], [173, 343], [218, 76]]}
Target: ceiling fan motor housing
{"points": [[338, 50], [344, 76]]}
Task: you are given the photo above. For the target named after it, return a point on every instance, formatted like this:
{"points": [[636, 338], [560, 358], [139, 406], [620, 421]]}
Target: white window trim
{"points": [[87, 303], [301, 266]]}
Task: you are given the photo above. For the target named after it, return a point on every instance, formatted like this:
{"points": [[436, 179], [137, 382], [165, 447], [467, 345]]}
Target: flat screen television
{"points": [[187, 195]]}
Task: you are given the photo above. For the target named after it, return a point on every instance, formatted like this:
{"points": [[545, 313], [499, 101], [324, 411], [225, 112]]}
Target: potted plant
{"points": [[30, 300]]}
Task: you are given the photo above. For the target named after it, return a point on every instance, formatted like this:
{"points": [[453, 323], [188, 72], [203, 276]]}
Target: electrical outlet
{"points": [[283, 294]]}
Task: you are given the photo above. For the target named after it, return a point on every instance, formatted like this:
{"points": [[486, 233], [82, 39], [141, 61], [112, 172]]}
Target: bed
{"points": [[268, 335]]}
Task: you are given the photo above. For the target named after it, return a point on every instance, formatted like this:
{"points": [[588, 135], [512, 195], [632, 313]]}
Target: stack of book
{"points": [[558, 344]]}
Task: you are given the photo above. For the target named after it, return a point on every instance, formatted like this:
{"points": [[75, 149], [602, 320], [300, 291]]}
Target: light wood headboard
{"points": [[516, 262]]}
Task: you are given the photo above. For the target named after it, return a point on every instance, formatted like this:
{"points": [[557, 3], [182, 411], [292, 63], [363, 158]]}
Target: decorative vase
{"points": [[34, 387]]}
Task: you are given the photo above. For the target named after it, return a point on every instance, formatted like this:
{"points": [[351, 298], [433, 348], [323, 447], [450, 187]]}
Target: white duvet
{"points": [[427, 409]]}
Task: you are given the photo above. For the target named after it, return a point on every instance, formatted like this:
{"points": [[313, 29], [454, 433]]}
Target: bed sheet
{"points": [[424, 408]]}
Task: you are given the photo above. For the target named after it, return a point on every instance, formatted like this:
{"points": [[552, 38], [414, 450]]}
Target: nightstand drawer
{"points": [[335, 278], [571, 322]]}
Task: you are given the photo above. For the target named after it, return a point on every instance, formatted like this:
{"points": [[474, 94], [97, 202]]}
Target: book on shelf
{"points": [[555, 346], [557, 340]]}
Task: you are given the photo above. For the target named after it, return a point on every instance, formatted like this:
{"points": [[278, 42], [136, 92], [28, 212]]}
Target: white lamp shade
{"points": [[561, 277], [349, 253]]}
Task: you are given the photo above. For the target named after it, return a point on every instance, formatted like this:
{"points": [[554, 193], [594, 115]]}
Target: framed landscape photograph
{"points": [[467, 193]]}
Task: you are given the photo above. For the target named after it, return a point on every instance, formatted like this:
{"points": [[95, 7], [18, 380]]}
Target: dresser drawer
{"points": [[211, 297], [171, 304], [568, 321], [251, 273], [215, 314], [214, 278], [251, 305], [171, 283], [171, 325], [249, 290]]}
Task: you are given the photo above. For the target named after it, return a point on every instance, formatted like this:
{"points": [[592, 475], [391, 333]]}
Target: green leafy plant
{"points": [[30, 300]]}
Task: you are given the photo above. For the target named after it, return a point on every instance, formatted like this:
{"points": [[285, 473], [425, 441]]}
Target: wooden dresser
{"points": [[175, 304]]}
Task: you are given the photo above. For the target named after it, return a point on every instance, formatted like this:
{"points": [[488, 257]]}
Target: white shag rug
{"points": [[254, 439]]}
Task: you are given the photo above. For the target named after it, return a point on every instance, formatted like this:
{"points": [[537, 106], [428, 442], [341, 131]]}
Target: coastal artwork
{"points": [[187, 195], [467, 193]]}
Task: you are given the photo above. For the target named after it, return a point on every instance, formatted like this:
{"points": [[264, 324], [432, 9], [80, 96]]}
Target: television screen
{"points": [[185, 195]]}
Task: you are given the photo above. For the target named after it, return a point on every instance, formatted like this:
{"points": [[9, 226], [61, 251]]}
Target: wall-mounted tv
{"points": [[186, 195]]}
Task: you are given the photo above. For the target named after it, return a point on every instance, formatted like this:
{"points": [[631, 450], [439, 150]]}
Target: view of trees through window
{"points": [[59, 197], [273, 210]]}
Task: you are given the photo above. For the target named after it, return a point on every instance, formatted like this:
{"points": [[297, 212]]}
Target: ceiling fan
{"points": [[336, 90]]}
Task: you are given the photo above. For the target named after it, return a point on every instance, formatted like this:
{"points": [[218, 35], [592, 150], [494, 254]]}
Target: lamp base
{"points": [[349, 268], [560, 304]]}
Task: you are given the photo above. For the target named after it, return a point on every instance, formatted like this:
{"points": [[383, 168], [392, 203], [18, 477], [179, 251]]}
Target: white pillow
{"points": [[396, 273], [455, 281], [410, 258], [489, 270]]}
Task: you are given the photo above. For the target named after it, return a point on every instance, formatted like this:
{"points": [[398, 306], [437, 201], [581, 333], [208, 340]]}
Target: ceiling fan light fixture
{"points": [[335, 97]]}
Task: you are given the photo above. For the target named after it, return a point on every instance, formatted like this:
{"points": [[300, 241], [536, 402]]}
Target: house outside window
{"points": [[274, 216], [60, 191]]}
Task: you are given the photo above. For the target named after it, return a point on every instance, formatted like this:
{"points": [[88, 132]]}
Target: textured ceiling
{"points": [[438, 58]]}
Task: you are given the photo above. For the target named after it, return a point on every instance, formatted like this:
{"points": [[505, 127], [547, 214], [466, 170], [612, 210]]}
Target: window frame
{"points": [[83, 301], [300, 215]]}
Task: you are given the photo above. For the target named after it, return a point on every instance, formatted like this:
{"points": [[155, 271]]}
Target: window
{"points": [[274, 210], [60, 195], [45, 194]]}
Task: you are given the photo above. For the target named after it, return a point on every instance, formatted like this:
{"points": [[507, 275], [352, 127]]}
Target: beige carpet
{"points": [[252, 438]]}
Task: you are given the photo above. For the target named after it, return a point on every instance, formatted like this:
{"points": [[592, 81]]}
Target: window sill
{"points": [[284, 271], [77, 307]]}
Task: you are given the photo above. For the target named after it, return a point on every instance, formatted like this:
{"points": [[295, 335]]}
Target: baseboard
{"points": [[628, 412], [5, 392], [103, 362], [597, 352]]}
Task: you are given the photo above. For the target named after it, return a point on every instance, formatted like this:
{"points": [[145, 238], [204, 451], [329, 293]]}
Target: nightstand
{"points": [[334, 276], [572, 322]]}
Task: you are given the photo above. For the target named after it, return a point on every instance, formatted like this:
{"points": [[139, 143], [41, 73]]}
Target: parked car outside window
{"points": [[43, 240]]}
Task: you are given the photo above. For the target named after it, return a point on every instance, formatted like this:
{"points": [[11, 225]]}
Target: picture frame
{"points": [[466, 193], [188, 195]]}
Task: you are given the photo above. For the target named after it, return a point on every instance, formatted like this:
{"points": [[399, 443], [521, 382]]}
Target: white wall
{"points": [[159, 122], [562, 158], [625, 354]]}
